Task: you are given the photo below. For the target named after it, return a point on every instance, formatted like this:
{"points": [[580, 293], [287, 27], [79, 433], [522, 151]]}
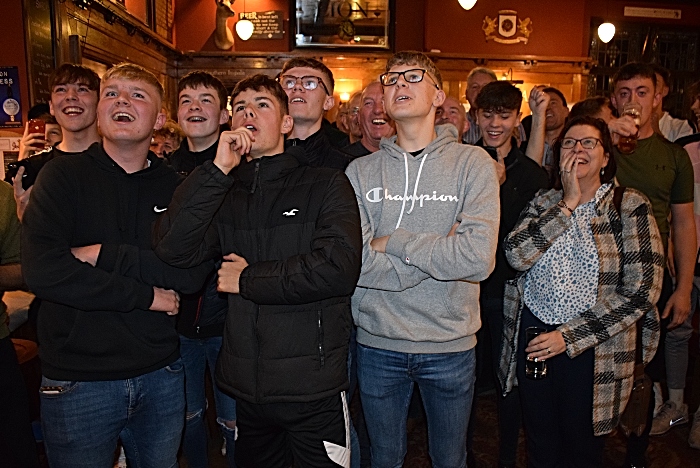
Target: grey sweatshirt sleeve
{"points": [[471, 253], [380, 270]]}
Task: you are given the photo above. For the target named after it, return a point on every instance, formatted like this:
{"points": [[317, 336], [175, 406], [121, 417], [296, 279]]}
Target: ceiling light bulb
{"points": [[244, 29], [467, 4], [606, 31]]}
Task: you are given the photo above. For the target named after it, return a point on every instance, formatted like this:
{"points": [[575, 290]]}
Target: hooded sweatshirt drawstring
{"points": [[405, 188]]}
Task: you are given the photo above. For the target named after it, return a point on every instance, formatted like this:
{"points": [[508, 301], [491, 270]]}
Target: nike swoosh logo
{"points": [[159, 210]]}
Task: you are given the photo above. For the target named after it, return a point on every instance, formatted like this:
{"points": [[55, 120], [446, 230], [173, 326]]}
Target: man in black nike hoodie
{"points": [[290, 236], [109, 349]]}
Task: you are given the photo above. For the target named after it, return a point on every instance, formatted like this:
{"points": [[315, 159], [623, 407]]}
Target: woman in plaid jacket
{"points": [[591, 266]]}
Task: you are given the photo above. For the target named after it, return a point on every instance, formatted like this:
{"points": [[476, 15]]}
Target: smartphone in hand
{"points": [[37, 126]]}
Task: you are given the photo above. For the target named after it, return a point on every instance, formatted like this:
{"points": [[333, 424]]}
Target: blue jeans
{"points": [[676, 346], [197, 354], [82, 423], [446, 383]]}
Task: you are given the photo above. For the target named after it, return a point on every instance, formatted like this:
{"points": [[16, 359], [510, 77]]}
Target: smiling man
{"points": [[74, 96], [201, 110], [109, 349], [309, 87], [498, 113], [429, 209], [373, 120], [289, 235]]}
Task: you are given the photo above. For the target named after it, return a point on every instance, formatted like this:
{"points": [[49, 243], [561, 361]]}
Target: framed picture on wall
{"points": [[344, 23]]}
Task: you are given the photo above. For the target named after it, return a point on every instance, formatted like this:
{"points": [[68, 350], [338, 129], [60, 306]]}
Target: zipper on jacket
{"points": [[258, 392], [198, 314], [321, 353], [256, 176]]}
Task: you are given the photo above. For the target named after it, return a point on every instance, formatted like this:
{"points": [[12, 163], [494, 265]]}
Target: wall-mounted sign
{"points": [[268, 24], [653, 12], [343, 23], [10, 108], [507, 28]]}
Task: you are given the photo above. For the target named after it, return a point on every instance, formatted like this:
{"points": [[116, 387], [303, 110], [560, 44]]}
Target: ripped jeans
{"points": [[197, 354]]}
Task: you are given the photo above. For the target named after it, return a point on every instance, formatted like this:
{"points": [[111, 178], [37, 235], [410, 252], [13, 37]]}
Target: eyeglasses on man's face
{"points": [[586, 143], [309, 82], [414, 75]]}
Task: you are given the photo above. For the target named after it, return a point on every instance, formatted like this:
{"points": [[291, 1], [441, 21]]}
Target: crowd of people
{"points": [[304, 263]]}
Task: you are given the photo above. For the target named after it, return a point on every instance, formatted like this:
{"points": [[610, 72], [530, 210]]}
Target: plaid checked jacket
{"points": [[631, 260]]}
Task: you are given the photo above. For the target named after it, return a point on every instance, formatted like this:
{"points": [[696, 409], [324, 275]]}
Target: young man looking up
{"points": [[291, 238], [74, 96], [309, 87], [663, 172], [201, 110], [373, 120], [429, 208], [109, 350], [451, 111], [498, 114]]}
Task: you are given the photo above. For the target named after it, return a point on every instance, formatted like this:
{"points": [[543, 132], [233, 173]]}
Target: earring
{"points": [[602, 171]]}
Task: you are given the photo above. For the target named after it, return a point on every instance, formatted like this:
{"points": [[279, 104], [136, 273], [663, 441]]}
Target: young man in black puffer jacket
{"points": [[291, 244]]}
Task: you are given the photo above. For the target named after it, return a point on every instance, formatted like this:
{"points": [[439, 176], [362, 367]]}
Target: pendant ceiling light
{"points": [[606, 32], [467, 4], [244, 27]]}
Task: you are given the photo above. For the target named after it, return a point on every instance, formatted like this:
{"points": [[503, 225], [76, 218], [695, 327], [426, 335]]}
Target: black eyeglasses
{"points": [[415, 75], [309, 83], [586, 143]]}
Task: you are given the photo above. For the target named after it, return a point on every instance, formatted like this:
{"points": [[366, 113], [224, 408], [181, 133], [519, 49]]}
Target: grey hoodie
{"points": [[422, 295]]}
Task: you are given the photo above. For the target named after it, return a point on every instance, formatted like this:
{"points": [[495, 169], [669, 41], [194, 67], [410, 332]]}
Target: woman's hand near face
{"points": [[569, 180]]}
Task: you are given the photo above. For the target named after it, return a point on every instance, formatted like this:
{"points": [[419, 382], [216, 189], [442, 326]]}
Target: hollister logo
{"points": [[378, 194]]}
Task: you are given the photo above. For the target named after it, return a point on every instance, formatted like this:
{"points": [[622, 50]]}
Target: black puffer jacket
{"points": [[298, 228]]}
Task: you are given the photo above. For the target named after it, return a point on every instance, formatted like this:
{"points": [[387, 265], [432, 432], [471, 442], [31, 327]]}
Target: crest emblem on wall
{"points": [[507, 28]]}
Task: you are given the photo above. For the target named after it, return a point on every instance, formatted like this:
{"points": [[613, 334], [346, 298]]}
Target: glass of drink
{"points": [[535, 368], [627, 144]]}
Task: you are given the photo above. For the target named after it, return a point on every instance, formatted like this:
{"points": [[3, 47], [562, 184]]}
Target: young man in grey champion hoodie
{"points": [[429, 208]]}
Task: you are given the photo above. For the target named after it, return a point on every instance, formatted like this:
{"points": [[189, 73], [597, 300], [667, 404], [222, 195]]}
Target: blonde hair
{"points": [[410, 57], [131, 71]]}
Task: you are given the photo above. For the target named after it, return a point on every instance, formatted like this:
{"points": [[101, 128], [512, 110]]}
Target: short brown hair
{"points": [[263, 82], [310, 63], [195, 79], [634, 70], [69, 73], [131, 71], [411, 57]]}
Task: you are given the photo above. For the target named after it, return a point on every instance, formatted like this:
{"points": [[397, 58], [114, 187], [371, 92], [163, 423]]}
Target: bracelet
{"points": [[562, 204]]}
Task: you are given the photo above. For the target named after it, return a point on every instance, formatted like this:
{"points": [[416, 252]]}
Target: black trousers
{"points": [[508, 408], [273, 435], [557, 410], [17, 444]]}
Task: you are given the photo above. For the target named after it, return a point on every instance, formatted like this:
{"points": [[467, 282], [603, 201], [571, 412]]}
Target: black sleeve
{"points": [[185, 236], [50, 269], [145, 266], [331, 269]]}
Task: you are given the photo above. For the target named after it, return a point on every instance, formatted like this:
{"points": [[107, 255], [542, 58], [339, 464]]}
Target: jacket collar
{"points": [[267, 168]]}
